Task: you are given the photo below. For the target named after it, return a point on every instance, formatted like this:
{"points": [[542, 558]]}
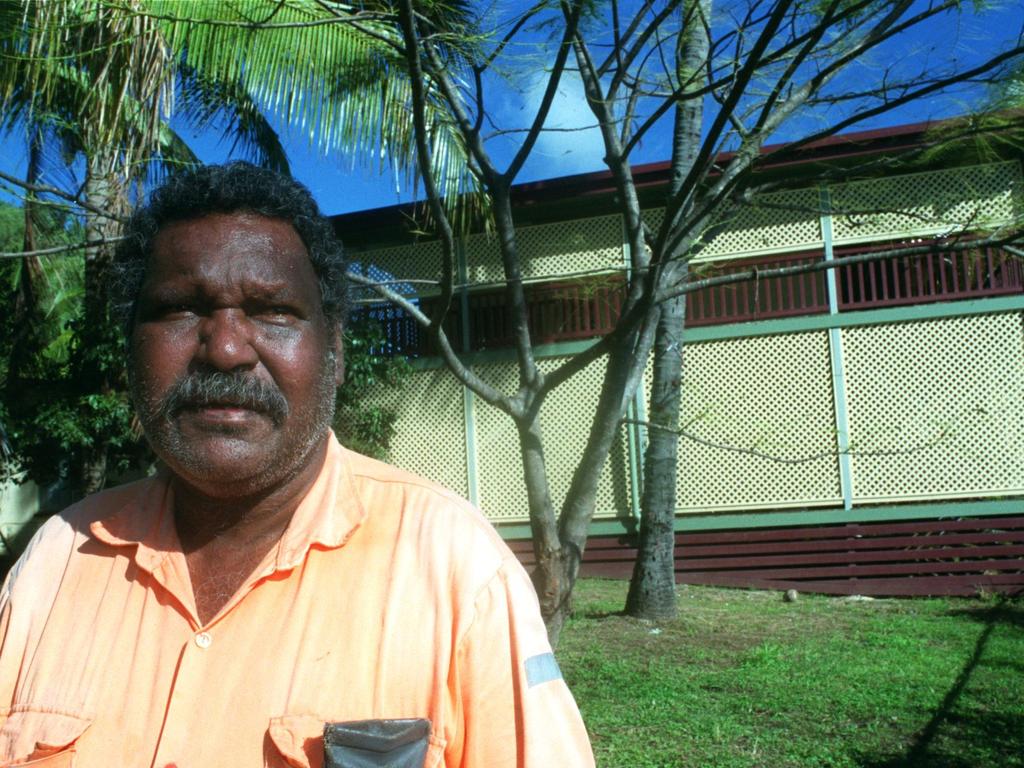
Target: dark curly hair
{"points": [[241, 187]]}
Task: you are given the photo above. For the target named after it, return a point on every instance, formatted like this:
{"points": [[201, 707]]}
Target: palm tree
{"points": [[106, 77]]}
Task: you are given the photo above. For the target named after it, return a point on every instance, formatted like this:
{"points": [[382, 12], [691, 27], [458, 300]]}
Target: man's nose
{"points": [[225, 340]]}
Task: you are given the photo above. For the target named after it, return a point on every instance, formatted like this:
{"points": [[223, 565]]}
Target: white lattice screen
{"points": [[754, 406], [940, 403], [927, 203], [565, 419], [430, 437], [550, 250]]}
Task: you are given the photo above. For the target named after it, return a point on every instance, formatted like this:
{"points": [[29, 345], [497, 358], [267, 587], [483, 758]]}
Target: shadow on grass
{"points": [[1005, 611], [998, 735], [601, 614]]}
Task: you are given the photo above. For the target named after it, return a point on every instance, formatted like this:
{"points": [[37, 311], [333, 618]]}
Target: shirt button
{"points": [[203, 639]]}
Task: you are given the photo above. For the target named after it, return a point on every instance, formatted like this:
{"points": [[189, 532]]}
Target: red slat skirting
{"points": [[926, 557]]}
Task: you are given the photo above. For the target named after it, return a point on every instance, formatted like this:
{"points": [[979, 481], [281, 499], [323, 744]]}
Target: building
{"points": [[858, 430]]}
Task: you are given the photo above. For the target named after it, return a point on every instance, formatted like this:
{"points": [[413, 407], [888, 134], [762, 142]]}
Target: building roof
{"points": [[590, 194]]}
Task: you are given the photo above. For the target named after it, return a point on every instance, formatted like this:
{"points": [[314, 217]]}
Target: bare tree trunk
{"points": [[652, 588], [622, 376], [549, 574], [102, 190], [652, 592]]}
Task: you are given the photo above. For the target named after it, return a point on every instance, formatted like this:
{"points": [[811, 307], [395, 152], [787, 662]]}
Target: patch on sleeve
{"points": [[542, 668]]}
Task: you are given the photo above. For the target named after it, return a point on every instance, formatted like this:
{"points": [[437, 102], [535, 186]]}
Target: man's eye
{"points": [[176, 311], [277, 314]]}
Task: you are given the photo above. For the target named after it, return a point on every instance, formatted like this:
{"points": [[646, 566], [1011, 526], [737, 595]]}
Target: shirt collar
{"points": [[327, 516], [329, 513]]}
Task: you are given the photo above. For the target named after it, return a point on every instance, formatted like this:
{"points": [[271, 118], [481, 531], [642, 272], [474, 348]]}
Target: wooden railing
{"points": [[943, 276], [568, 311], [757, 299], [555, 312]]}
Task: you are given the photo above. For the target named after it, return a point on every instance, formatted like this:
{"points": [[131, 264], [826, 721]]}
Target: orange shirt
{"points": [[387, 597]]}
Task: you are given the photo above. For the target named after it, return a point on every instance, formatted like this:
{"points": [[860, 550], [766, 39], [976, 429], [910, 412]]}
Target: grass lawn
{"points": [[745, 679]]}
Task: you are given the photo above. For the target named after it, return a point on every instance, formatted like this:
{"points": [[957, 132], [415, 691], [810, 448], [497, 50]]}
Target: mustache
{"points": [[231, 389]]}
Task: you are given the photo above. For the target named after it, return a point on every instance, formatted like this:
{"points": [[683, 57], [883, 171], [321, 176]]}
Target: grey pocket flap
{"points": [[376, 743]]}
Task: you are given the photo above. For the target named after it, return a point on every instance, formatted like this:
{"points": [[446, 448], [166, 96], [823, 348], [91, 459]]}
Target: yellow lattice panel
{"points": [[782, 221], [761, 419], [938, 403], [565, 420], [419, 264], [930, 203], [499, 466], [550, 250], [430, 437], [653, 217]]}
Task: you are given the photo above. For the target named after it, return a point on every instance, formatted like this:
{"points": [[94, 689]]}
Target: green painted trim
{"points": [[560, 349], [861, 318], [855, 515], [469, 420], [615, 527], [993, 508], [835, 348], [825, 221]]}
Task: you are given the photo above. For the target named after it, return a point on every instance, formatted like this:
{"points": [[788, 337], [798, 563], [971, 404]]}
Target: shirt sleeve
{"points": [[6, 675], [517, 711], [26, 596]]}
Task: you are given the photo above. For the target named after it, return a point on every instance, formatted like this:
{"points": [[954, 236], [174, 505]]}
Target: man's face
{"points": [[234, 365]]}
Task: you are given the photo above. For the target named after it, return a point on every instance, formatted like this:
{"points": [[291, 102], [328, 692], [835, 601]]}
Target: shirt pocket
{"points": [[298, 741], [39, 737]]}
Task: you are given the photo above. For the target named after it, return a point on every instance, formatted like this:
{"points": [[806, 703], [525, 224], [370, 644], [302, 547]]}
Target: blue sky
{"points": [[341, 186]]}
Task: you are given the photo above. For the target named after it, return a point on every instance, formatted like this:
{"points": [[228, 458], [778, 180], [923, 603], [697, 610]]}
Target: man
{"points": [[267, 582]]}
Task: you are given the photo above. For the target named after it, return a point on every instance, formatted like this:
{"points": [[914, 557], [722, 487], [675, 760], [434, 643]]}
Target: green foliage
{"points": [[744, 680], [367, 429], [99, 76], [54, 410]]}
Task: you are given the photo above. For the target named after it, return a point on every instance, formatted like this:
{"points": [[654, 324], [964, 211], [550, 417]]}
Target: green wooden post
{"points": [[636, 434], [835, 343]]}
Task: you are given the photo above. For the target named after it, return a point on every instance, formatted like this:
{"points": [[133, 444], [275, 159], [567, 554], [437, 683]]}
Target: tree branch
{"points": [[822, 266], [461, 372], [59, 249], [76, 199], [557, 68]]}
